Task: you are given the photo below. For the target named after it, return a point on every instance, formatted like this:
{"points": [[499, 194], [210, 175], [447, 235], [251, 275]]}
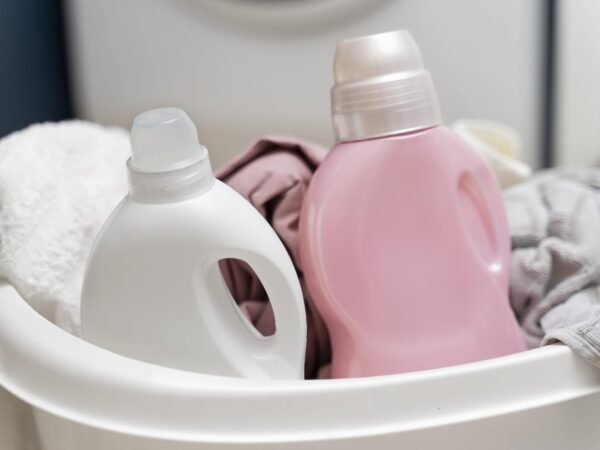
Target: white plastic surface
{"points": [[88, 398], [153, 289]]}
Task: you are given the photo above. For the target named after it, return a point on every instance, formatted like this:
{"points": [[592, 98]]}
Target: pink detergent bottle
{"points": [[403, 236]]}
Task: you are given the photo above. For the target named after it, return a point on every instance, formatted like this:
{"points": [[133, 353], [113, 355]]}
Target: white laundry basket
{"points": [[86, 398]]}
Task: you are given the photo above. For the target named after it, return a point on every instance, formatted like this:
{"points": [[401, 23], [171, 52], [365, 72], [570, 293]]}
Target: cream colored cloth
{"points": [[499, 145]]}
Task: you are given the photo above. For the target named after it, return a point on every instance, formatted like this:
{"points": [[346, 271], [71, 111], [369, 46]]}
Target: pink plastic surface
{"points": [[405, 248]]}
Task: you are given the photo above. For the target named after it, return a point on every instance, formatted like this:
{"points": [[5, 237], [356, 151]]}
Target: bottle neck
{"points": [[384, 106], [170, 186]]}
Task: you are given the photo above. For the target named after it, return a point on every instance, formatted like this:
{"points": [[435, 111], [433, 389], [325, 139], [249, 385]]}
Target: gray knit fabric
{"points": [[554, 221]]}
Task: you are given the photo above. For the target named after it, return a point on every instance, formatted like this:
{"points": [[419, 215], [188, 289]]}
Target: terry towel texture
{"points": [[58, 183], [554, 221]]}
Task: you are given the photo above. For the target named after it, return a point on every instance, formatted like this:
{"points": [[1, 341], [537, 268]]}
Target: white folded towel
{"points": [[58, 183]]}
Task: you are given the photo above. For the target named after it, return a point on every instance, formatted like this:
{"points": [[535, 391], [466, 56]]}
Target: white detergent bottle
{"points": [[153, 289]]}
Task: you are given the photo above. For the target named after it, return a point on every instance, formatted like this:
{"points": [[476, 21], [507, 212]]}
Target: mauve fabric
{"points": [[273, 175]]}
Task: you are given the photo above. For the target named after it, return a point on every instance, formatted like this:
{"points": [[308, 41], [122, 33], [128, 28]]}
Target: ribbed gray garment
{"points": [[554, 221]]}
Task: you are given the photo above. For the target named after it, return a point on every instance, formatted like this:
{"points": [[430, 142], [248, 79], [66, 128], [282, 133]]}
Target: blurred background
{"points": [[242, 68]]}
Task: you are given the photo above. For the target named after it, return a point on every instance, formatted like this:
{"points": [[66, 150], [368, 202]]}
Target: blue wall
{"points": [[33, 70]]}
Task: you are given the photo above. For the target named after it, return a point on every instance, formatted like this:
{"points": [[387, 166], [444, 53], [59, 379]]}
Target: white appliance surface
{"points": [[242, 68], [577, 121]]}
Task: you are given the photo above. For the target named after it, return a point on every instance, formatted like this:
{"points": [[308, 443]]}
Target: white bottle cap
{"points": [[167, 163], [381, 88]]}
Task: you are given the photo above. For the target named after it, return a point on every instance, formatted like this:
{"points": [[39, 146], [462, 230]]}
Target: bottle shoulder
{"points": [[219, 217], [433, 135], [434, 149], [427, 165], [218, 202]]}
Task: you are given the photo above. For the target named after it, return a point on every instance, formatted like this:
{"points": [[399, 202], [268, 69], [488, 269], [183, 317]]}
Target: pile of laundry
{"points": [[59, 182]]}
